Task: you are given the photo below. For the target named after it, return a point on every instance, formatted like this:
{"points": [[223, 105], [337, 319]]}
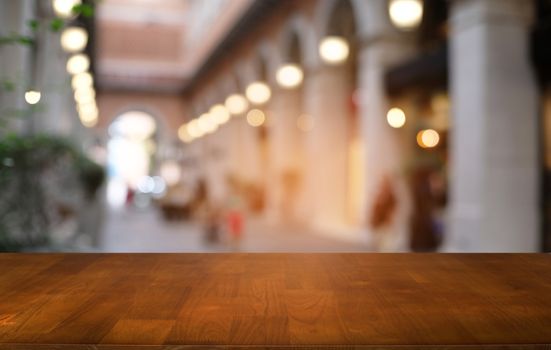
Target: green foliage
{"points": [[15, 38], [24, 160], [85, 10], [56, 24], [33, 24], [8, 85]]}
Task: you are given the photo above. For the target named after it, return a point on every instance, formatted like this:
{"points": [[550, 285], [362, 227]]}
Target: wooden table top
{"points": [[112, 301]]}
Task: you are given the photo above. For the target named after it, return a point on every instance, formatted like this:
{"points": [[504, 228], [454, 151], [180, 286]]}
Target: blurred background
{"points": [[275, 125]]}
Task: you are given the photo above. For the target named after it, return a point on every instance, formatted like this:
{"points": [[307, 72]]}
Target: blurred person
{"points": [[235, 220], [200, 197], [384, 211], [426, 223], [290, 180], [235, 225], [130, 195], [211, 224], [177, 202]]}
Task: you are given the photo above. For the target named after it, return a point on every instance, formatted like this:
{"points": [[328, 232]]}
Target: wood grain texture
{"points": [[307, 301]]}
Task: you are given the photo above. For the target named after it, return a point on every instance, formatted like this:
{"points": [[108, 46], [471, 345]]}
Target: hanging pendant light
{"points": [[78, 63], [289, 75], [334, 50], [405, 14], [258, 92], [74, 39]]}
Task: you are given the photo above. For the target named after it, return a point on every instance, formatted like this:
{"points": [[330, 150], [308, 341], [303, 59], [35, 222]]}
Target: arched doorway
{"points": [[130, 156]]}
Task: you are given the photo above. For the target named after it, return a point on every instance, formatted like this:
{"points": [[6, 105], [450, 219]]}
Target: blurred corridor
{"points": [[275, 125], [138, 231]]}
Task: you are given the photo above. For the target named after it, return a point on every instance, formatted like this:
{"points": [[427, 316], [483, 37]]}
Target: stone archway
{"points": [[130, 153]]}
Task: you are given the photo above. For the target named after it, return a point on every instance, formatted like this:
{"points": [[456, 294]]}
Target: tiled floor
{"points": [[145, 231]]}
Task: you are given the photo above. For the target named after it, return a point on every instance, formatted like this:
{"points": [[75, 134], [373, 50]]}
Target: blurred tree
{"points": [[42, 180]]}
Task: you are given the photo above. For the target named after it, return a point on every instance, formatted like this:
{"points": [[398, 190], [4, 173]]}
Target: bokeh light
{"points": [[220, 114], [78, 63], [82, 80], [88, 114], [146, 184], [207, 123], [258, 92], [334, 50], [84, 95], [171, 172], [289, 76], [74, 39], [133, 125], [256, 117], [396, 117], [406, 14], [32, 97], [64, 8], [184, 135], [88, 121], [236, 104], [193, 129], [428, 138]]}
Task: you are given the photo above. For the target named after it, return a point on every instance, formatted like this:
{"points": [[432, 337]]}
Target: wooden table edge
{"points": [[30, 346]]}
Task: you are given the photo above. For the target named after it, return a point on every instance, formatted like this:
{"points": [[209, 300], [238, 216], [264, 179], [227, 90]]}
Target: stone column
{"points": [[215, 167], [58, 113], [285, 152], [382, 48], [494, 149], [326, 101], [15, 62], [249, 147], [234, 145]]}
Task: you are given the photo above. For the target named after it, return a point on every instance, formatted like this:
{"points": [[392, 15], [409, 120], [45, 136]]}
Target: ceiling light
{"points": [[220, 114], [256, 117], [82, 80], [258, 92], [236, 104], [171, 172], [74, 39], [289, 76], [396, 118], [64, 8], [406, 14], [78, 63], [85, 95], [184, 135], [428, 138], [207, 124], [32, 97], [334, 50]]}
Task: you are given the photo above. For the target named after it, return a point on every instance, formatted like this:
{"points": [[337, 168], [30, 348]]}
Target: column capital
{"points": [[386, 49], [385, 38], [467, 13]]}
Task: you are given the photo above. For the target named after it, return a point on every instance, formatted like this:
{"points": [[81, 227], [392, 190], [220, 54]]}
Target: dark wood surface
{"points": [[112, 301]]}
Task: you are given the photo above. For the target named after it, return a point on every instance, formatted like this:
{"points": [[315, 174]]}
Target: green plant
{"points": [[25, 207]]}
